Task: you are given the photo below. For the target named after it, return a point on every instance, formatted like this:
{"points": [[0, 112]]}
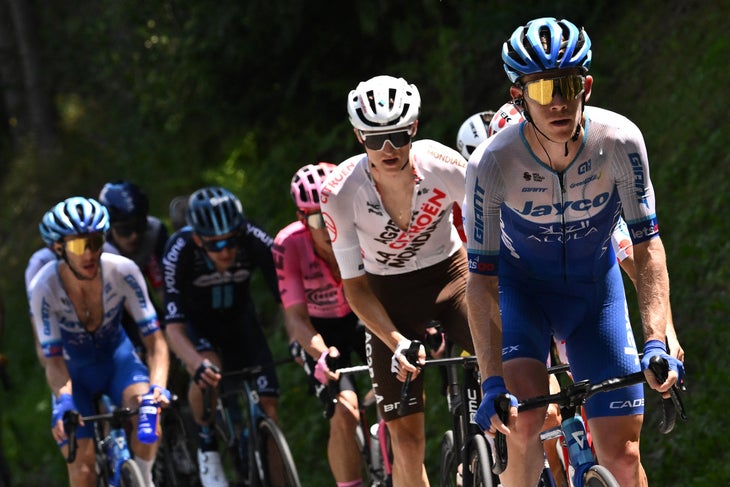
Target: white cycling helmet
{"points": [[383, 104], [473, 132], [508, 114]]}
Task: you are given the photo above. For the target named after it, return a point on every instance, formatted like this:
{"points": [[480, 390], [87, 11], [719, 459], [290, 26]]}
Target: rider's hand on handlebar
{"points": [[487, 416], [399, 363], [654, 348], [207, 374], [322, 371], [61, 406]]}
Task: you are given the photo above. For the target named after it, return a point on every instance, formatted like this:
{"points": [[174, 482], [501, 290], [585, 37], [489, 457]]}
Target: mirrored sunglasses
{"points": [[377, 141], [315, 220], [128, 227], [219, 245], [78, 245], [543, 90]]}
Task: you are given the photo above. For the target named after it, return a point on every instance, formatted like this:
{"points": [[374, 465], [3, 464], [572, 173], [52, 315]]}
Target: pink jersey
{"points": [[304, 277]]}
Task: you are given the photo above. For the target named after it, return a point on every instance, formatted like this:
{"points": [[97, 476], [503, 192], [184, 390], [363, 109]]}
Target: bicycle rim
{"points": [[599, 476], [130, 475], [479, 468], [449, 461], [277, 460]]}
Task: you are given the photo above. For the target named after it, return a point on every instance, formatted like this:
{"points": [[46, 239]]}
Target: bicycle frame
{"points": [[111, 448]]}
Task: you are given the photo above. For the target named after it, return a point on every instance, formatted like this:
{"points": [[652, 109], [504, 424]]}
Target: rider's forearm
{"points": [[484, 323], [181, 346], [299, 327], [158, 358], [371, 311], [652, 287], [57, 376]]}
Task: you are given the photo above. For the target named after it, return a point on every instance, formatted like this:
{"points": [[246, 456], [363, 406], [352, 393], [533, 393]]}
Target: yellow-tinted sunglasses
{"points": [[543, 90], [78, 245]]}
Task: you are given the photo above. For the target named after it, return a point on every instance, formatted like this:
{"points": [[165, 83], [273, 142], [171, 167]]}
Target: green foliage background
{"points": [[176, 95]]}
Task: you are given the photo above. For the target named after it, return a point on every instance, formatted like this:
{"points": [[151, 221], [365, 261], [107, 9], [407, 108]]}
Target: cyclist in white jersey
{"points": [[543, 199], [389, 215], [77, 304]]}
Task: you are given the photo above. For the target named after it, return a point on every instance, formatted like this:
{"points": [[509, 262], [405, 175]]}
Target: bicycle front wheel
{"points": [[479, 468], [130, 475], [449, 461], [276, 458], [599, 476]]}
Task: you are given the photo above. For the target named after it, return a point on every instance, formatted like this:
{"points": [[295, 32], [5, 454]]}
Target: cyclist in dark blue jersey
{"points": [[543, 198], [210, 317]]}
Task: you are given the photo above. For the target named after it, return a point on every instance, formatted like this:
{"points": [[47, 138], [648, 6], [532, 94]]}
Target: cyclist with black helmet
{"points": [[76, 305], [389, 215], [543, 199], [210, 317], [134, 232], [319, 318]]}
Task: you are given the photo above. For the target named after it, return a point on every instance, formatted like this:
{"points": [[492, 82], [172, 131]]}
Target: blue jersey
{"points": [[547, 235], [525, 219], [60, 330]]}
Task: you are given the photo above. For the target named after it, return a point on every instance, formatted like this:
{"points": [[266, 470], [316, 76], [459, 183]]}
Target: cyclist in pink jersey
{"points": [[319, 319], [389, 214]]}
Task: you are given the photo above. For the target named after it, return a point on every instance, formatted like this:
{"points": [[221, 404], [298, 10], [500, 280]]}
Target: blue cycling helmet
{"points": [[77, 216], [545, 44], [214, 211], [46, 226], [124, 200]]}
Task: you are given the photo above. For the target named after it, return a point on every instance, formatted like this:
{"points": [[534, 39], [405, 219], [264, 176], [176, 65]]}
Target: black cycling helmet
{"points": [[124, 200], [214, 211]]}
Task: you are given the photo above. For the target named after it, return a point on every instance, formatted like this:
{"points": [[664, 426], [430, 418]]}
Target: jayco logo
{"points": [[560, 208]]}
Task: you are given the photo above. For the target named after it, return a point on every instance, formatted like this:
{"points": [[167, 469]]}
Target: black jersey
{"points": [[197, 294]]}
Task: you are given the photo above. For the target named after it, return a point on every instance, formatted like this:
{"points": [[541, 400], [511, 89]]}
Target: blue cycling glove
{"points": [[492, 388], [163, 392], [61, 406], [657, 348]]}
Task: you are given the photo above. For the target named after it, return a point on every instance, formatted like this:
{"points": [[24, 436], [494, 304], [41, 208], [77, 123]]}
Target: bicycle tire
{"points": [[130, 475], [449, 465], [276, 457], [175, 465], [599, 476], [479, 467]]}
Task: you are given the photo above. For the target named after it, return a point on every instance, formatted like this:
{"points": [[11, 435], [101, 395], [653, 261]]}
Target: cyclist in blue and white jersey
{"points": [[50, 252], [543, 198], [210, 317], [389, 215], [77, 303]]}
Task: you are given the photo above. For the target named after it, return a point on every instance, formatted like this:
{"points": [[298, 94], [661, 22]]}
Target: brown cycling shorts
{"points": [[412, 301]]}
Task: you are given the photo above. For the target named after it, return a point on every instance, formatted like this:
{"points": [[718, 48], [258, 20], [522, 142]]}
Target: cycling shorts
{"points": [[592, 318], [240, 346], [110, 377], [413, 300]]}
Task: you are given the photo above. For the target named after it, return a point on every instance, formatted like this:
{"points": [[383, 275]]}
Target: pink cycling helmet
{"points": [[306, 185], [508, 114]]}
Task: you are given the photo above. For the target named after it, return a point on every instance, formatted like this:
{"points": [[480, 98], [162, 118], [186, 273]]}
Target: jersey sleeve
{"points": [[259, 244], [484, 196], [338, 212], [289, 272], [175, 261], [45, 321], [631, 165], [137, 300]]}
